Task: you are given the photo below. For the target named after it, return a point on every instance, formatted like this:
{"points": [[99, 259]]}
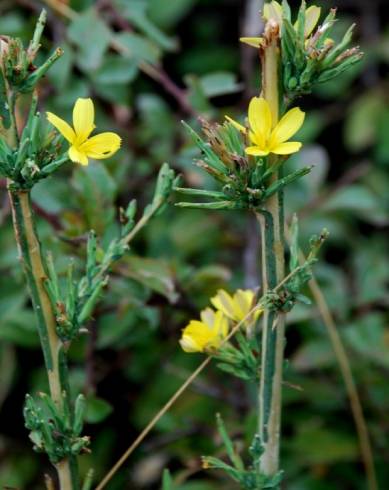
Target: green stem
{"points": [[52, 347], [155, 207], [273, 272]]}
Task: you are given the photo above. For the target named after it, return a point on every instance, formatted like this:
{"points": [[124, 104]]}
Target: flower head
{"points": [[266, 140], [274, 11], [205, 334], [82, 146], [237, 307]]}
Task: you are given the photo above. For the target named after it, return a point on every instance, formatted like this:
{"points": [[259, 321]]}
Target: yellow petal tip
{"points": [[255, 42]]}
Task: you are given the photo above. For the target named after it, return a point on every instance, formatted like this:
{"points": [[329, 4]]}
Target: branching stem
{"points": [[115, 468]]}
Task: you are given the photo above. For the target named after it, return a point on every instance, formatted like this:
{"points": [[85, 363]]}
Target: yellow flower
{"points": [[265, 139], [238, 306], [82, 146], [205, 334], [273, 10]]}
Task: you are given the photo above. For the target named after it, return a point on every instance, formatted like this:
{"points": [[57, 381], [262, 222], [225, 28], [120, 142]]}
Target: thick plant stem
{"points": [[273, 271], [30, 255], [31, 258]]}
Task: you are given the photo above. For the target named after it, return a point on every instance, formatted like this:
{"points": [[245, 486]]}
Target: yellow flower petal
{"points": [[255, 42], [273, 11], [83, 119], [196, 336], [256, 151], [189, 343], [199, 336], [289, 124], [221, 325], [62, 126], [260, 119], [236, 307], [223, 302], [238, 126], [243, 302], [208, 317], [312, 16], [287, 148], [257, 140], [77, 156], [101, 146]]}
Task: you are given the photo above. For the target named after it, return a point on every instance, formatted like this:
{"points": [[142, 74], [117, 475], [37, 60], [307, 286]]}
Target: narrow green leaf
{"points": [[167, 482], [228, 444]]}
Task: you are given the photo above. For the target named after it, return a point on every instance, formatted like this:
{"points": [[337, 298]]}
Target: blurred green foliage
{"points": [[148, 64]]}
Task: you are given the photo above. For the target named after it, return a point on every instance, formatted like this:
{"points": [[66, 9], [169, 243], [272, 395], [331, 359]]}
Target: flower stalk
{"points": [[273, 271]]}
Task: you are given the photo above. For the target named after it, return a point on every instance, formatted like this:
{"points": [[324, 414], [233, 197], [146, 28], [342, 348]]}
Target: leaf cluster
{"points": [[74, 305], [247, 182], [318, 59], [37, 155], [54, 430]]}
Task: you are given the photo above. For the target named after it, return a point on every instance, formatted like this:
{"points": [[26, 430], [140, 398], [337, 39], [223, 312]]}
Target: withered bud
{"points": [[212, 135], [240, 161], [4, 46], [320, 53], [217, 175], [347, 54], [323, 28]]}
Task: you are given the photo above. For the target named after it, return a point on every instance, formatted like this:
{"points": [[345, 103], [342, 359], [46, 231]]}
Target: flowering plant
{"points": [[27, 155], [243, 331], [248, 159]]}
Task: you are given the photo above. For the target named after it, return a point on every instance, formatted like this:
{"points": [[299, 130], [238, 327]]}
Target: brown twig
{"points": [[231, 398]]}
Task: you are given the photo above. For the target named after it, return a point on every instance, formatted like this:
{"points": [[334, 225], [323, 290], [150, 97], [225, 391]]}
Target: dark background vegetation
{"points": [[130, 363]]}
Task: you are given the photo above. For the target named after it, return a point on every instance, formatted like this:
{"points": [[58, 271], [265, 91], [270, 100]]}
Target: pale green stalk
{"points": [[273, 271]]}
